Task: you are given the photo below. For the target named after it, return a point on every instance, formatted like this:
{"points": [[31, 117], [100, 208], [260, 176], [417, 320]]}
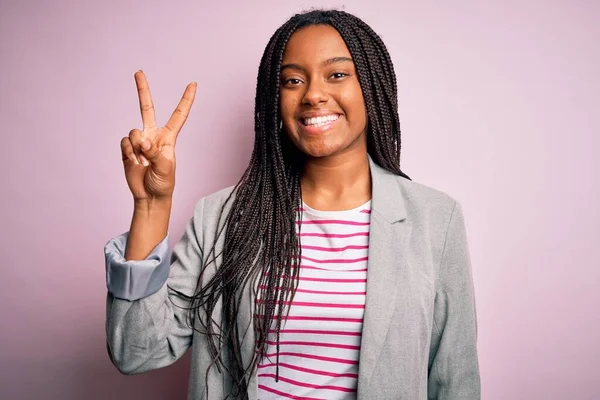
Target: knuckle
{"points": [[150, 149], [181, 112], [126, 144], [134, 133], [147, 107]]}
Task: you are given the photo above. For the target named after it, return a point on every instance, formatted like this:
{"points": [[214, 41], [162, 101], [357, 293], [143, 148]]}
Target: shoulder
{"points": [[211, 205], [422, 198], [428, 207], [435, 216], [210, 215]]}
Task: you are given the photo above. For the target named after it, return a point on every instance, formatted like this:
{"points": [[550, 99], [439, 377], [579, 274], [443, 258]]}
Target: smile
{"points": [[319, 125], [320, 121]]}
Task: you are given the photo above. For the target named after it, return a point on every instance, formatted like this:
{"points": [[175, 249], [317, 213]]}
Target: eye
{"points": [[339, 75], [291, 82]]}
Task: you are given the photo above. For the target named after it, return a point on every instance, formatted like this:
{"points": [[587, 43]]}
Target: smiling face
{"points": [[321, 102]]}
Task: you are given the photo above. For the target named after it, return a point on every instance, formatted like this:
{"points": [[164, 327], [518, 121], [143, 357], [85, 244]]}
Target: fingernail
{"points": [[145, 162], [145, 144]]}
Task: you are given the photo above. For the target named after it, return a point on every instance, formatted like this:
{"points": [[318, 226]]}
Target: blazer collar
{"points": [[387, 196]]}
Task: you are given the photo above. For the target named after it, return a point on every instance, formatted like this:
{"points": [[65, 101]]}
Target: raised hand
{"points": [[149, 155]]}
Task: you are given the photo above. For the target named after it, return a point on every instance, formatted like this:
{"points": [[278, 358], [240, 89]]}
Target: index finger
{"points": [[182, 111], [146, 104]]}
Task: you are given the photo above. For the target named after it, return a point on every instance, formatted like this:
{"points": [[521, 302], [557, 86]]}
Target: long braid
{"points": [[261, 244]]}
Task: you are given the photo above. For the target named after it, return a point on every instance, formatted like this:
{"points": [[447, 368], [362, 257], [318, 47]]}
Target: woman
{"points": [[372, 270]]}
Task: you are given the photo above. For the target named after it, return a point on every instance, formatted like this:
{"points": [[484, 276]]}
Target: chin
{"points": [[320, 151]]}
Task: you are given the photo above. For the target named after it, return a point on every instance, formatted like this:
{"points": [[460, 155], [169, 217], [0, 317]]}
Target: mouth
{"points": [[319, 125]]}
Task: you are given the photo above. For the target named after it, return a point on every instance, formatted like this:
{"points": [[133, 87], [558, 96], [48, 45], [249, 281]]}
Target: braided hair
{"points": [[261, 244]]}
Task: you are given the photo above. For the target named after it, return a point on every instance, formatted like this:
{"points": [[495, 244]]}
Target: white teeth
{"points": [[318, 121]]}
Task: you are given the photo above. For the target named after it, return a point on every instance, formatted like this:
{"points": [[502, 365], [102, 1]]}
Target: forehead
{"points": [[313, 44]]}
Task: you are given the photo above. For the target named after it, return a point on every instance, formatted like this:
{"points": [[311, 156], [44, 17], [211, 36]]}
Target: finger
{"points": [[143, 160], [154, 156], [182, 111], [135, 137], [127, 151], [146, 104]]}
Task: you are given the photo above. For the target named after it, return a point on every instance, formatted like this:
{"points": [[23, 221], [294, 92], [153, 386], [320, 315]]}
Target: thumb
{"points": [[154, 156]]}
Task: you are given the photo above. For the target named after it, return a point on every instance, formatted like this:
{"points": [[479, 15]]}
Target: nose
{"points": [[316, 93]]}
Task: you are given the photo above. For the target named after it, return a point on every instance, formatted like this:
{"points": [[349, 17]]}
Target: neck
{"points": [[339, 182]]}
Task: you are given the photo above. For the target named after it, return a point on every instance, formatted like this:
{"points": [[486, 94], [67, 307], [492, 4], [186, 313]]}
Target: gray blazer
{"points": [[419, 331]]}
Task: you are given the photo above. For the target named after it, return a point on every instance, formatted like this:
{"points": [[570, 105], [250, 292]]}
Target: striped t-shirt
{"points": [[320, 341]]}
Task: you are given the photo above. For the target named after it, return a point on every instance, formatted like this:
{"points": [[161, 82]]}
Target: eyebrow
{"points": [[324, 63]]}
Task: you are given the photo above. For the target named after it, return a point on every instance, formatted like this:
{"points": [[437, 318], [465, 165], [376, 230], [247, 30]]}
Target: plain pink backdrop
{"points": [[499, 106]]}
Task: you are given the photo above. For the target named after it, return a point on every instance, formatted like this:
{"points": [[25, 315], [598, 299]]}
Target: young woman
{"points": [[325, 273]]}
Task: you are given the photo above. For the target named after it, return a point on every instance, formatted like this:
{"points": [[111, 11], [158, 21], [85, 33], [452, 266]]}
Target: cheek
{"points": [[287, 107], [355, 107], [287, 103]]}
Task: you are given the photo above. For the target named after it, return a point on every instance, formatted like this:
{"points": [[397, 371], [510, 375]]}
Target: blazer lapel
{"points": [[388, 236]]}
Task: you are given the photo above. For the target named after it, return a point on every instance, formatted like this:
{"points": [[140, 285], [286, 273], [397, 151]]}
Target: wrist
{"points": [[153, 205]]}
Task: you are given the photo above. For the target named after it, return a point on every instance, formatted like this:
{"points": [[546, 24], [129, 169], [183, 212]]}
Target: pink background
{"points": [[499, 105]]}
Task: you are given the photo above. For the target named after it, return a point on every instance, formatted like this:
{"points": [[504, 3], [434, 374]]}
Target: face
{"points": [[321, 102]]}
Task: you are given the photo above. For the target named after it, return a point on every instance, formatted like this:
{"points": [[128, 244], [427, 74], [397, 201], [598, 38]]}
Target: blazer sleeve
{"points": [[133, 280], [147, 324], [453, 361]]}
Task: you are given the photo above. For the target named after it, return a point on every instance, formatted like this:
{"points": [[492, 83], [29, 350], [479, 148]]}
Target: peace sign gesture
{"points": [[149, 155]]}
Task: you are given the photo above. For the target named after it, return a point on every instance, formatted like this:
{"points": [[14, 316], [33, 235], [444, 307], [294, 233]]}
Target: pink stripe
{"points": [[334, 235], [316, 332], [302, 266], [333, 222], [310, 371], [314, 357], [286, 395], [316, 344], [323, 305], [321, 291], [333, 280], [305, 247], [336, 261], [366, 211], [309, 385], [305, 318]]}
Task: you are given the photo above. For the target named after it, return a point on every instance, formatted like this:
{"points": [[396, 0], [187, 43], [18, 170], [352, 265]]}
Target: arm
{"points": [[144, 329], [453, 361]]}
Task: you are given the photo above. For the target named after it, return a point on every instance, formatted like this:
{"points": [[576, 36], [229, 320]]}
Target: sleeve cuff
{"points": [[134, 280]]}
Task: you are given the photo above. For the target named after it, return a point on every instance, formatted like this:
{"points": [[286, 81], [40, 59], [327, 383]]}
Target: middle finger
{"points": [[182, 111]]}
